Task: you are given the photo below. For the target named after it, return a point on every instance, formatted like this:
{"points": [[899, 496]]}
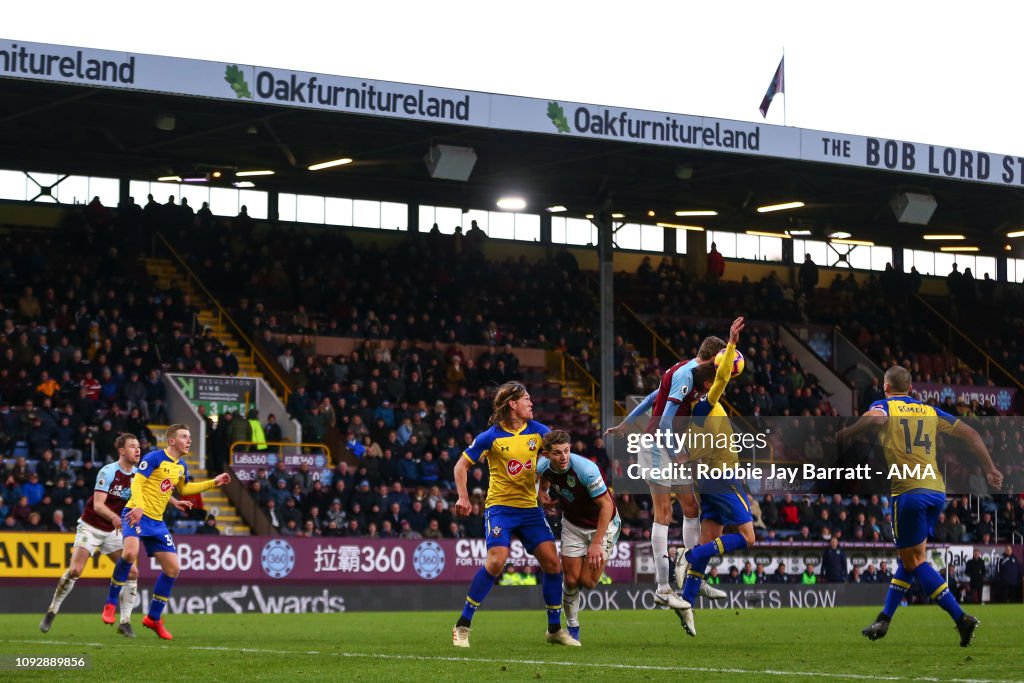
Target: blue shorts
{"points": [[727, 505], [914, 515], [153, 533], [529, 524]]}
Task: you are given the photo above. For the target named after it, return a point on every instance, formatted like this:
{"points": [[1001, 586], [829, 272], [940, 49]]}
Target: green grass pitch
{"points": [[750, 645]]}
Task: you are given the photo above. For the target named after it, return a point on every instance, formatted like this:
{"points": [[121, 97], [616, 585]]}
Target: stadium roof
{"points": [[57, 126]]}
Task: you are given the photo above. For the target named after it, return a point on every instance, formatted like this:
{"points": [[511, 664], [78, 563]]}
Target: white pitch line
{"points": [[42, 641], [628, 667]]}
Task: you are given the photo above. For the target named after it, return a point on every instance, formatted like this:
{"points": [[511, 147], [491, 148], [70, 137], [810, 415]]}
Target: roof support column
{"points": [[603, 221]]}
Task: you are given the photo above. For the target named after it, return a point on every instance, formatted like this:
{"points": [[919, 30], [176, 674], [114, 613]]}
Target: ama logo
{"points": [[514, 466]]}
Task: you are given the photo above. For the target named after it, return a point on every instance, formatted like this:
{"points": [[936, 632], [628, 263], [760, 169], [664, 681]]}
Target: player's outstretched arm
{"points": [[965, 432], [872, 420], [640, 409], [724, 372], [192, 488]]}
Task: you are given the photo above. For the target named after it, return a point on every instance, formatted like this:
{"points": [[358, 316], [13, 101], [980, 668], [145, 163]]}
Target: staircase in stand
{"points": [[168, 277]]}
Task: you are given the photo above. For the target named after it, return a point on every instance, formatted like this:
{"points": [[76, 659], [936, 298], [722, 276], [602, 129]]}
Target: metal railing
{"points": [[568, 369], [268, 366], [954, 333]]}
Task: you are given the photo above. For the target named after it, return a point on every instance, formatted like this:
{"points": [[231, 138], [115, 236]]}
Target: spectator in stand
{"points": [[408, 532], [272, 433], [209, 527], [975, 571], [715, 264], [808, 276], [239, 430], [789, 513], [833, 563], [474, 524], [1008, 577]]}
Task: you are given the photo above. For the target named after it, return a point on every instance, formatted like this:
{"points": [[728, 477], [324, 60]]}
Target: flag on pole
{"points": [[777, 86]]}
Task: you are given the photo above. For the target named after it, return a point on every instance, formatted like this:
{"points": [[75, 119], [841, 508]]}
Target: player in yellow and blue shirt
{"points": [[511, 446], [160, 473], [723, 503], [908, 432]]}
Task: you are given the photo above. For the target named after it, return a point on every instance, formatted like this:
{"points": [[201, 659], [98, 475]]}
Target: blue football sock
{"points": [[694, 576], [478, 590], [938, 590], [726, 543], [551, 587], [898, 588], [161, 594], [121, 571]]}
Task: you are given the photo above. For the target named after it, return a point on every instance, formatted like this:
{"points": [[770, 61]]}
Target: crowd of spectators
{"points": [[86, 336], [404, 411]]}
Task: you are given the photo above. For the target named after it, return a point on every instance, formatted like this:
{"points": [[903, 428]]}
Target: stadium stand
{"points": [[404, 402]]}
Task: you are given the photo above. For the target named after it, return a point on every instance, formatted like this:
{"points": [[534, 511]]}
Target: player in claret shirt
{"points": [[160, 473], [99, 528], [590, 522]]}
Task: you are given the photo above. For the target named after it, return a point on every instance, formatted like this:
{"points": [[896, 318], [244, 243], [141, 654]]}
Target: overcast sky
{"points": [[939, 73]]}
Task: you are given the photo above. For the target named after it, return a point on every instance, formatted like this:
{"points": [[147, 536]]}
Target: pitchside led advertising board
{"points": [[272, 560], [298, 575], [262, 84]]}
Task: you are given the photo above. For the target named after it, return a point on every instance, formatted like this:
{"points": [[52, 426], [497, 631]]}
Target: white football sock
{"points": [[571, 605], [127, 599], [64, 587], [659, 544], [691, 532]]}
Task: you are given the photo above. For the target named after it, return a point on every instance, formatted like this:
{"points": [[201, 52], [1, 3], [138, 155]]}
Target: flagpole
{"points": [[785, 95]]}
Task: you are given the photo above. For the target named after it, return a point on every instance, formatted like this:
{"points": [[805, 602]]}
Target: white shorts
{"points": [[92, 539], [576, 540], [656, 463]]}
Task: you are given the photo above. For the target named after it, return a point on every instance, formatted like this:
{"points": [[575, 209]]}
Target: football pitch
{"points": [[749, 645]]}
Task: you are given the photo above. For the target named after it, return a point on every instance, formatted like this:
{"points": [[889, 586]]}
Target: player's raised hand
{"points": [[463, 507], [734, 331], [222, 479]]}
